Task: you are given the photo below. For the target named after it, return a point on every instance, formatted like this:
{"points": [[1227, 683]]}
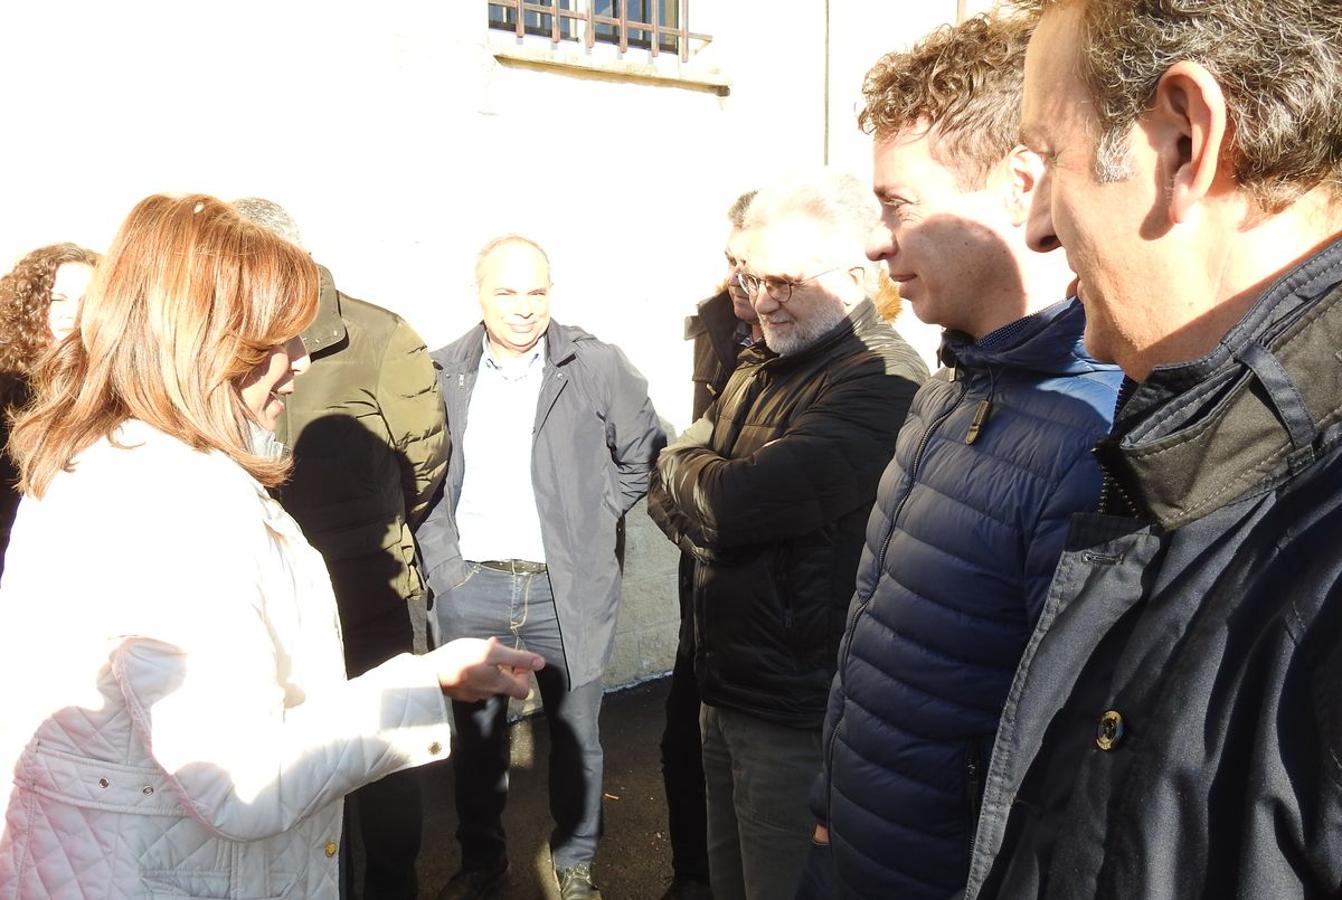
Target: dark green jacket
{"points": [[366, 427]]}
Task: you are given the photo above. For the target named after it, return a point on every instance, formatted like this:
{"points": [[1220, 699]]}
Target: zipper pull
{"points": [[976, 424], [461, 379]]}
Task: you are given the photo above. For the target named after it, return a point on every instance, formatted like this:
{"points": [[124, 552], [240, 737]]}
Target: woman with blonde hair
{"points": [[177, 721], [39, 301]]}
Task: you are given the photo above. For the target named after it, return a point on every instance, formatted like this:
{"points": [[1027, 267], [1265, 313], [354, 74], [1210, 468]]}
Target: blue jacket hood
{"points": [[1048, 342]]}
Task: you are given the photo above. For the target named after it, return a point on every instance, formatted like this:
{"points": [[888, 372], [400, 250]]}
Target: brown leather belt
{"points": [[514, 566]]}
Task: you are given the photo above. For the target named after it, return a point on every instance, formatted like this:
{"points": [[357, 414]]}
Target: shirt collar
{"points": [[514, 369]]}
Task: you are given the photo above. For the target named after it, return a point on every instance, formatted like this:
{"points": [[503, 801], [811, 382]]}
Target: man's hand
{"points": [[817, 881], [699, 434], [471, 669]]}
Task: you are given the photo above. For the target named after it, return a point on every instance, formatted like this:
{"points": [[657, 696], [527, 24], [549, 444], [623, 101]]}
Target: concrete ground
{"points": [[634, 860]]}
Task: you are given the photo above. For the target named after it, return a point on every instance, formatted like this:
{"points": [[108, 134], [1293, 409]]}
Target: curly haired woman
{"points": [[39, 301]]}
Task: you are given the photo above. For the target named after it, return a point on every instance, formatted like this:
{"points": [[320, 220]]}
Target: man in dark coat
{"points": [[770, 491], [722, 328], [553, 440], [366, 430], [1175, 726], [995, 457]]}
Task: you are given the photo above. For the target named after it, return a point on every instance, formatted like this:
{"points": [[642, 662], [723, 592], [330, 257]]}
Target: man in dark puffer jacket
{"points": [[994, 458], [770, 491]]}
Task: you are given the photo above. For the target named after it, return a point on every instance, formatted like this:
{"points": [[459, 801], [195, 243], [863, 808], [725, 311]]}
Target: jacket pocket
{"points": [[187, 884], [178, 884]]}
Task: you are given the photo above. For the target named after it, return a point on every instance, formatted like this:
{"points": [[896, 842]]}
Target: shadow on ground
{"points": [[634, 860]]}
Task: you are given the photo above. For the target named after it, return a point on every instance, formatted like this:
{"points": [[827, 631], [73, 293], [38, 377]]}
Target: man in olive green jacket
{"points": [[367, 432]]}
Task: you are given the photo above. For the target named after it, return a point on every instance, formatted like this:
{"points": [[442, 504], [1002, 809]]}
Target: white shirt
{"points": [[496, 515]]}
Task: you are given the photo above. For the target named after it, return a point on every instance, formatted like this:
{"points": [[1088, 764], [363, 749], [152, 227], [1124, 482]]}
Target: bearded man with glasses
{"points": [[770, 492]]}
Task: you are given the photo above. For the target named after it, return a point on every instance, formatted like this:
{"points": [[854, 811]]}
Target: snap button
{"points": [[435, 748], [147, 790], [331, 849], [103, 782], [1110, 731]]}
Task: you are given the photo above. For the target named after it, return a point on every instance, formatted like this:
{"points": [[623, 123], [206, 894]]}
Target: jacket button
{"points": [[435, 748], [1110, 731], [331, 849], [103, 782]]}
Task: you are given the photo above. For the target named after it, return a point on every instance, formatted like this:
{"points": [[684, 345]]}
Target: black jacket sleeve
{"points": [[826, 464]]}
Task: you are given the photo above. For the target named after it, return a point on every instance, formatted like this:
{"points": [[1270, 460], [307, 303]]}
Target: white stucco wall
{"points": [[400, 144]]}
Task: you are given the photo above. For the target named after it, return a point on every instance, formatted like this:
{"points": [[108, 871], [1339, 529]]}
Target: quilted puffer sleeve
{"points": [[234, 682], [413, 409], [246, 766], [819, 796]]}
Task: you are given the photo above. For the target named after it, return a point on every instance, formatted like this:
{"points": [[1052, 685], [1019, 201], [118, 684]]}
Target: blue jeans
{"points": [[519, 610], [759, 777]]}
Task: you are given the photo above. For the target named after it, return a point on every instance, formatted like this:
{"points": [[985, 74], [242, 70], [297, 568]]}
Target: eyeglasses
{"points": [[779, 291]]}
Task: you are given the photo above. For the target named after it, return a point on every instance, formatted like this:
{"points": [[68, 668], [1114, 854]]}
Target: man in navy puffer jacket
{"points": [[993, 459]]}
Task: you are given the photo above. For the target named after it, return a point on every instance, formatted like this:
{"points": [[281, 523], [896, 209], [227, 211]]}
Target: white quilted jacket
{"points": [[173, 706]]}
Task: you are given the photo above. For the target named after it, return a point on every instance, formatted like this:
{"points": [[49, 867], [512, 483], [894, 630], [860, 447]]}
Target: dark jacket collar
{"points": [[716, 318], [328, 328], [1048, 342], [560, 346], [1245, 418]]}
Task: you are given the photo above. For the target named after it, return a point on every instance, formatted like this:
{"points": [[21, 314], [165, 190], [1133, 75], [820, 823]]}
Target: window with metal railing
{"points": [[653, 25]]}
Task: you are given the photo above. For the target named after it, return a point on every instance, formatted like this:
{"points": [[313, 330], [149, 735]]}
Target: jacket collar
{"points": [[859, 319], [466, 352], [1048, 342], [328, 328], [716, 318], [1245, 418]]}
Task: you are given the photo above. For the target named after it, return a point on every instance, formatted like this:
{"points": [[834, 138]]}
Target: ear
{"points": [[1015, 177], [1187, 128]]}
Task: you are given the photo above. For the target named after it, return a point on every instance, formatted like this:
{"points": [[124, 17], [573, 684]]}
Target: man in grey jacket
{"points": [[553, 440]]}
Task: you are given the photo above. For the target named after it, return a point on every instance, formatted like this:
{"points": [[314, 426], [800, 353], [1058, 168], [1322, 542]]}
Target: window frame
{"points": [[654, 31]]}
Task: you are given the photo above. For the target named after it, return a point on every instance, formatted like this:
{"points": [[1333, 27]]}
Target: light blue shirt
{"points": [[496, 515]]}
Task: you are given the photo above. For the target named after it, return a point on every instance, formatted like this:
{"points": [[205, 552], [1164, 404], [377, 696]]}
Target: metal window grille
{"points": [[654, 25]]}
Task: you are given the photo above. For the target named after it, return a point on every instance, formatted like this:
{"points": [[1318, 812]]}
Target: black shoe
{"points": [[475, 884], [687, 889], [575, 883]]}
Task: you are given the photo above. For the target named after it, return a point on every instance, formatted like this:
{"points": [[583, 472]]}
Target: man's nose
{"points": [[881, 242], [763, 301]]}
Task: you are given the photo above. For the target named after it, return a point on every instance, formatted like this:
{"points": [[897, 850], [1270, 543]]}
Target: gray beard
{"points": [[803, 333]]}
